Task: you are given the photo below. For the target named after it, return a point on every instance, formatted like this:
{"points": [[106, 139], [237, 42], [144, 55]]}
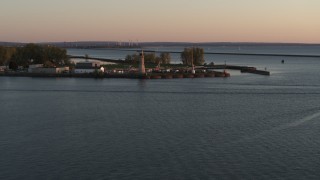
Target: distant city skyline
{"points": [[284, 21]]}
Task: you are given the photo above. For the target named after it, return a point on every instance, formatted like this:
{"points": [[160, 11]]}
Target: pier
{"points": [[201, 72], [98, 59], [242, 69]]}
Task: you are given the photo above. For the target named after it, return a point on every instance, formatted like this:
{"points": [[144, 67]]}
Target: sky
{"points": [[290, 21]]}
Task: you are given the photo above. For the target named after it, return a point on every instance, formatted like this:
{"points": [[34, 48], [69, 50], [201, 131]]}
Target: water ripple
{"points": [[227, 92], [278, 128]]}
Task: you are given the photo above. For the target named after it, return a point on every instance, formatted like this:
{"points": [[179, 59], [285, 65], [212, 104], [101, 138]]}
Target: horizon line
{"points": [[186, 42]]}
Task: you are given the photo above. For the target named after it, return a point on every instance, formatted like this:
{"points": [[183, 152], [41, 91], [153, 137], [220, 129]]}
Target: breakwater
{"points": [[98, 59], [242, 69], [235, 53], [201, 72], [262, 54]]}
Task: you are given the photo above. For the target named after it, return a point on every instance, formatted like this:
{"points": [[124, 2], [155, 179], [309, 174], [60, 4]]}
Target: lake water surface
{"points": [[243, 127]]}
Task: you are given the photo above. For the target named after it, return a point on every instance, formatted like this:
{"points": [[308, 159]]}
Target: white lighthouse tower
{"points": [[142, 68]]}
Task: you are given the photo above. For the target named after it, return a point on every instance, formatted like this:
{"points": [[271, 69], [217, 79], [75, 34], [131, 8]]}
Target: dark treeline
{"points": [[189, 57], [193, 56], [6, 54], [164, 58], [50, 56]]}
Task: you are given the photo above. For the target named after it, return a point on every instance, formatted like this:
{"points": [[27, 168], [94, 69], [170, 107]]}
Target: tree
{"points": [[32, 53], [165, 58], [135, 58], [128, 58], [6, 54], [19, 57], [2, 55], [150, 57], [13, 65], [193, 56], [186, 56], [56, 55], [36, 54]]}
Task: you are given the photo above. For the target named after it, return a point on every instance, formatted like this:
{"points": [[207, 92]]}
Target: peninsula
{"points": [[33, 60]]}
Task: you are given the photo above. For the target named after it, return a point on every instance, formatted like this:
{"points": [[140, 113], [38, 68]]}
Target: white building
{"points": [[88, 67], [88, 70]]}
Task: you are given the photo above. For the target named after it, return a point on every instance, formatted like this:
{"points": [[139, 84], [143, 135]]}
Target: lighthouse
{"points": [[142, 68]]}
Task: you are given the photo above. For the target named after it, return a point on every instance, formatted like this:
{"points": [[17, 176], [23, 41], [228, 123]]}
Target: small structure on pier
{"points": [[88, 67], [142, 68]]}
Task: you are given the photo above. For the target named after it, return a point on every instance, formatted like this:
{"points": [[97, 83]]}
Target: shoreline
{"points": [[120, 76], [206, 71]]}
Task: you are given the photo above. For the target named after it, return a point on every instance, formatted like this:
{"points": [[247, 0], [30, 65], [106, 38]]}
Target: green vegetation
{"points": [[133, 59], [50, 56], [164, 58], [5, 54], [193, 54]]}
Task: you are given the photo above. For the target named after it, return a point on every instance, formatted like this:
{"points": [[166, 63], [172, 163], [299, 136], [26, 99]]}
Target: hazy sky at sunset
{"points": [[160, 20]]}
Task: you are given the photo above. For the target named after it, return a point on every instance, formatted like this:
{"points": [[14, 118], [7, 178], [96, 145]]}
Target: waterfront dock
{"points": [[174, 73], [168, 75], [242, 69]]}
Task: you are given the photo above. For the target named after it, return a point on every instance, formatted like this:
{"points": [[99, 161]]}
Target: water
{"points": [[243, 127]]}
